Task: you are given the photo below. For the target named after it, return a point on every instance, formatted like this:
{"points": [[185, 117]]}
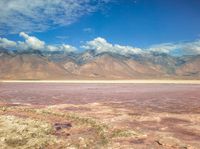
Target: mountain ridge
{"points": [[34, 64]]}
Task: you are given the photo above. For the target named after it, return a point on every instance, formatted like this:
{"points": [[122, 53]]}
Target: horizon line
{"points": [[141, 81]]}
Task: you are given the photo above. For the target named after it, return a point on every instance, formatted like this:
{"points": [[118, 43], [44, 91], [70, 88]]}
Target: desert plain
{"points": [[67, 115]]}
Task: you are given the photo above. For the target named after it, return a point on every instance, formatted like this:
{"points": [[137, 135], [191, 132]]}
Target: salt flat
{"points": [[106, 81]]}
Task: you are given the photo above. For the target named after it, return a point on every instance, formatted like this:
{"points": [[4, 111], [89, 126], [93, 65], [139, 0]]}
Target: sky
{"points": [[122, 26]]}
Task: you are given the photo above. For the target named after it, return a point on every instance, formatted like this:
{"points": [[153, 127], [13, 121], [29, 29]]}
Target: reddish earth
{"points": [[167, 115], [157, 97]]}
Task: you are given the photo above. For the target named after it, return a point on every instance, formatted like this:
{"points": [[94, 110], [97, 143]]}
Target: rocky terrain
{"points": [[37, 65]]}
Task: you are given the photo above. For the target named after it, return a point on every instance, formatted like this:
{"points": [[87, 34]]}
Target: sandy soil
{"points": [[139, 116]]}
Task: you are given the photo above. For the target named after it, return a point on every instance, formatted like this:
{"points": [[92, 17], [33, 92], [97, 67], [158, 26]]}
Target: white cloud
{"points": [[164, 47], [64, 47], [67, 48], [40, 15], [5, 43], [52, 48], [101, 45], [32, 42], [127, 49], [190, 48]]}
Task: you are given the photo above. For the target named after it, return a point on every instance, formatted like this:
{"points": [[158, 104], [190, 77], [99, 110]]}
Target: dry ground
{"points": [[125, 116]]}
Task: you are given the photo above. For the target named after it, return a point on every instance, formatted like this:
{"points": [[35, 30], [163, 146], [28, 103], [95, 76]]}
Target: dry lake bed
{"points": [[124, 116]]}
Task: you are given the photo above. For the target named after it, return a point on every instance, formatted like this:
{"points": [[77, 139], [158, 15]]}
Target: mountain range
{"points": [[58, 65]]}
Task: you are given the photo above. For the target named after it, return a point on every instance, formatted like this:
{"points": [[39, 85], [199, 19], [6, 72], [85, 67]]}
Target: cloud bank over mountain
{"points": [[190, 48], [99, 45], [40, 15], [33, 43]]}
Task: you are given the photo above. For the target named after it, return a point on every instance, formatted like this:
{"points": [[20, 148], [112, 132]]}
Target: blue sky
{"points": [[136, 23]]}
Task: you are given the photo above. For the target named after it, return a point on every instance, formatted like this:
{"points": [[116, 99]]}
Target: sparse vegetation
{"points": [[22, 133], [102, 133], [100, 129], [124, 133]]}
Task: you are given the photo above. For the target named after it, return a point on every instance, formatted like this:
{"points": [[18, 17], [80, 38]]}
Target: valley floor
{"points": [[99, 115]]}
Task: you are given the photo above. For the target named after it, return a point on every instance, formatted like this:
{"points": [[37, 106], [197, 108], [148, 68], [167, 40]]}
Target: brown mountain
{"points": [[109, 67], [29, 66], [88, 65]]}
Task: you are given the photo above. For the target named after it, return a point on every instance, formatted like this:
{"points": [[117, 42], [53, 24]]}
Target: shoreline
{"points": [[106, 81]]}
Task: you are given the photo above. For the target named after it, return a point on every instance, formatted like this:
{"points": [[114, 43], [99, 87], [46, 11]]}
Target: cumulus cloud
{"points": [[40, 15], [33, 43], [101, 45], [5, 43]]}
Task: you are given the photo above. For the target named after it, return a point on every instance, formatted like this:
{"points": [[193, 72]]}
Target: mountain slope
{"points": [[106, 66], [90, 65], [29, 66], [109, 66]]}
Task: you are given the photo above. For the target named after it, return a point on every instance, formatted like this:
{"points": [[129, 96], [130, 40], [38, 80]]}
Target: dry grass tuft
{"points": [[22, 133]]}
